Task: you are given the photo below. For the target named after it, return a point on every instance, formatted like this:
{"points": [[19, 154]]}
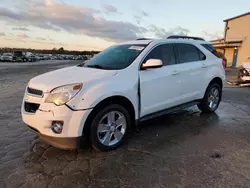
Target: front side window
{"points": [[116, 57], [163, 52], [189, 53]]}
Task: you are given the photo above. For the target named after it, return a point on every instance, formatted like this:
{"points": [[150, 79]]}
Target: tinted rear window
{"points": [[211, 49]]}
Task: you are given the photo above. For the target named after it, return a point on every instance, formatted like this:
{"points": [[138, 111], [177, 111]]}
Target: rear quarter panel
{"points": [[214, 69]]}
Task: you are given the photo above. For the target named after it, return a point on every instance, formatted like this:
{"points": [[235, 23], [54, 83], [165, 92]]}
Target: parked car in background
{"points": [[19, 56], [8, 57], [244, 72], [78, 57], [32, 58], [48, 56], [121, 86], [81, 57], [75, 57], [40, 57], [53, 57]]}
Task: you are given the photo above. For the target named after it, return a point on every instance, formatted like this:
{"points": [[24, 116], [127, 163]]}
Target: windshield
{"points": [[116, 57]]}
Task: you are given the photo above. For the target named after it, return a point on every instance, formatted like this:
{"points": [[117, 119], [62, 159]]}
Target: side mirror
{"points": [[152, 63]]}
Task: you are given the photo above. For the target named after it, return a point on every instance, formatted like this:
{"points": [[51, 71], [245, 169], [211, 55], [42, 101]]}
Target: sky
{"points": [[97, 24]]}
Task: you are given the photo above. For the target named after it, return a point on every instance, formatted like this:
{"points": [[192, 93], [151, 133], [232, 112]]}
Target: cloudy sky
{"points": [[97, 24]]}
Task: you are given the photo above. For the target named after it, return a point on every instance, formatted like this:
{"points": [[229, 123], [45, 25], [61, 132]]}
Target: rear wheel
{"points": [[109, 127], [212, 98]]}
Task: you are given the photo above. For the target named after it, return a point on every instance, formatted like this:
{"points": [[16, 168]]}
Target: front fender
{"points": [[93, 95]]}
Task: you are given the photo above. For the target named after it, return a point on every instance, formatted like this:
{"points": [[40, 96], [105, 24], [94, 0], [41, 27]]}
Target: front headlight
{"points": [[63, 94]]}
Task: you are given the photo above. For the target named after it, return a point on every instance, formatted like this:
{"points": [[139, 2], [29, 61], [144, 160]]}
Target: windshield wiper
{"points": [[95, 66]]}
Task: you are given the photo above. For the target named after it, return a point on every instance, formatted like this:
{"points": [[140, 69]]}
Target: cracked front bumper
{"points": [[41, 121], [67, 143]]}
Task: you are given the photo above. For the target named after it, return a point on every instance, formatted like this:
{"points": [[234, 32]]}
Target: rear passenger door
{"points": [[192, 70]]}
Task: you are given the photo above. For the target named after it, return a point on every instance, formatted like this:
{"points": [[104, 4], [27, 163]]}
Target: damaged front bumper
{"points": [[39, 116]]}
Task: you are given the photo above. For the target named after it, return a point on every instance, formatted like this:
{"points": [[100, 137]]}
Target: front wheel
{"points": [[109, 127], [212, 98]]}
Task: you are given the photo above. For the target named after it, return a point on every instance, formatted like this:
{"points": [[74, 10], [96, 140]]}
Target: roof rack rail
{"points": [[144, 39], [184, 37]]}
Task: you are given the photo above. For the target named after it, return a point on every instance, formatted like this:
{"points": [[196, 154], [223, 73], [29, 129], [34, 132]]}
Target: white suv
{"points": [[121, 86]]}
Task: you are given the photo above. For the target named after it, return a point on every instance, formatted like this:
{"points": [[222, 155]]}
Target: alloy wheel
{"points": [[111, 128], [213, 98]]}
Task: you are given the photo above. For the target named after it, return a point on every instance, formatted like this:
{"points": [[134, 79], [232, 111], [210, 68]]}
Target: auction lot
{"points": [[184, 149]]}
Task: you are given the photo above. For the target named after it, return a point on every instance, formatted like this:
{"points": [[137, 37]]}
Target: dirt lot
{"points": [[184, 149]]}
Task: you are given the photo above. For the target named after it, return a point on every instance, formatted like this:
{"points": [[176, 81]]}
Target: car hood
{"points": [[246, 65], [70, 75]]}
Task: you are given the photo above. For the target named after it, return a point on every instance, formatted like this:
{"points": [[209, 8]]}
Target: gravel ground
{"points": [[184, 149]]}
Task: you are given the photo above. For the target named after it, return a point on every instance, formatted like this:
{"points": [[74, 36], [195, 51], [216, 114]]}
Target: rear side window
{"points": [[211, 49], [189, 53], [163, 52]]}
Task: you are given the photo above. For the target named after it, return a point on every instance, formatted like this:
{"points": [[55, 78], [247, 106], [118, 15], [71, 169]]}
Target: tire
{"points": [[205, 105], [102, 130]]}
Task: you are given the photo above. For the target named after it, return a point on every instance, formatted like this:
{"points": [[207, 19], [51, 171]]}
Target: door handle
{"points": [[175, 73], [204, 66]]}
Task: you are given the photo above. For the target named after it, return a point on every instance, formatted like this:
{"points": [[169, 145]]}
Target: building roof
{"points": [[228, 44], [245, 14], [217, 40]]}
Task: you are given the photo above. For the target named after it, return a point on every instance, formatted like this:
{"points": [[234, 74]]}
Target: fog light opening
{"points": [[57, 127]]}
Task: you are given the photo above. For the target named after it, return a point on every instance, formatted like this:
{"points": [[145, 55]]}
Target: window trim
{"points": [[197, 49], [155, 46], [176, 54]]}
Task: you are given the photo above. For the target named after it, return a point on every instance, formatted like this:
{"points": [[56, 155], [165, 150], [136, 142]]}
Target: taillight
{"points": [[224, 64]]}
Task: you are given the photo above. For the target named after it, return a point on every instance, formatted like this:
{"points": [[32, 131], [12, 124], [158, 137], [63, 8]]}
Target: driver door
{"points": [[160, 87]]}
